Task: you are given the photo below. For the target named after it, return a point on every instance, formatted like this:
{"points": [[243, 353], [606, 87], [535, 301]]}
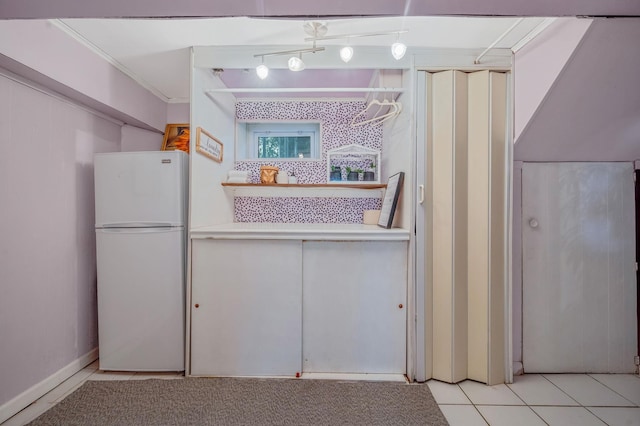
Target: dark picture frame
{"points": [[390, 200]]}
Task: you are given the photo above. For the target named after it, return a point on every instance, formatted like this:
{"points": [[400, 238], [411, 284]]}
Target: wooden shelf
{"points": [[308, 185], [328, 190]]}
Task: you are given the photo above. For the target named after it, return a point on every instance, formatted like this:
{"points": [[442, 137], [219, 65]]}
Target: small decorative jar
{"points": [[268, 174], [282, 177]]}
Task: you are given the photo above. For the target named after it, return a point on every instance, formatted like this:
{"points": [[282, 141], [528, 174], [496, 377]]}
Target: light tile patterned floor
{"points": [[533, 399], [543, 399]]}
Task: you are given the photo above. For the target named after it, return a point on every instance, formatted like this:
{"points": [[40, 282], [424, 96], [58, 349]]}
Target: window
{"points": [[281, 140]]}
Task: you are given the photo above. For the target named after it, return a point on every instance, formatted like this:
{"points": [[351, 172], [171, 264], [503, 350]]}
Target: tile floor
{"points": [[533, 399], [543, 399]]}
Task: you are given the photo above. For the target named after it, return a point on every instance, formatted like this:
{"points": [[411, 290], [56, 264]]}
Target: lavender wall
{"points": [[47, 250], [592, 112], [167, 8], [335, 118], [178, 113], [53, 58], [137, 139], [538, 64]]}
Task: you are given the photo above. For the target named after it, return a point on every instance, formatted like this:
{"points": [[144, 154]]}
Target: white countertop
{"points": [[300, 231]]}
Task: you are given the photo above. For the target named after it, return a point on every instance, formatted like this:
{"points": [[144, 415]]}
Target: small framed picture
{"points": [[208, 145], [176, 136], [390, 201]]}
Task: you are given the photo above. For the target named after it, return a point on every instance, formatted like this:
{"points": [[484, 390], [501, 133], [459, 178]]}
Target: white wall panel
{"points": [[210, 204], [579, 285]]}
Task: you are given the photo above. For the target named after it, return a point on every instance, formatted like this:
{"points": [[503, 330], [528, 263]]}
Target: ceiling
{"points": [[155, 52]]}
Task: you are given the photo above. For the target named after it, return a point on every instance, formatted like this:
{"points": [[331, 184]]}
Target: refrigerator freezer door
{"points": [[141, 297], [141, 188]]}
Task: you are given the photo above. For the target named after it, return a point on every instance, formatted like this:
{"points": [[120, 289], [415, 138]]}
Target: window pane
{"points": [[280, 140], [284, 146]]}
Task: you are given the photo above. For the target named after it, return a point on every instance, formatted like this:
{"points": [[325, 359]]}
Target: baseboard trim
{"points": [[17, 404]]}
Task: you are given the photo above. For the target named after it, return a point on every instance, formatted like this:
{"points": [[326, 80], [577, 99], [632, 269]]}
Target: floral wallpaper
{"points": [[335, 123]]}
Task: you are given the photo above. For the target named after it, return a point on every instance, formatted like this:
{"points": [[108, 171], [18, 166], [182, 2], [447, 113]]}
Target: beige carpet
{"points": [[227, 401]]}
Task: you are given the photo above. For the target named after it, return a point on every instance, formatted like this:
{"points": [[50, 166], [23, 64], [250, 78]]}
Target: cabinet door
{"points": [[579, 286], [249, 308], [354, 307]]}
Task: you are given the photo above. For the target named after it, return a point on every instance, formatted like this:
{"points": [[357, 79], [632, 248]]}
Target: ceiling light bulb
{"points": [[295, 64], [346, 53], [398, 50], [263, 71]]}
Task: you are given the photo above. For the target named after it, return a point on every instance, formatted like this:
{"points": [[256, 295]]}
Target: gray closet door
{"points": [[579, 284]]}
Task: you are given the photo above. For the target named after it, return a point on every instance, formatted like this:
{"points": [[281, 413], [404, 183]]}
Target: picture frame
{"points": [[174, 137], [208, 145], [390, 200]]}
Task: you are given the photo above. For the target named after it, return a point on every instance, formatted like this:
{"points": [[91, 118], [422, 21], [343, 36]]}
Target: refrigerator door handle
{"points": [[139, 230], [137, 225]]}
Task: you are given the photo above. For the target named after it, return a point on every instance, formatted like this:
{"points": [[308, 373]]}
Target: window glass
{"points": [[282, 140], [284, 146]]}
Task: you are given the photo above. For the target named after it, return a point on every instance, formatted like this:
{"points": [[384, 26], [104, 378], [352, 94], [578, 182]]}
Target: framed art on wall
{"points": [[208, 145], [390, 201], [176, 136]]}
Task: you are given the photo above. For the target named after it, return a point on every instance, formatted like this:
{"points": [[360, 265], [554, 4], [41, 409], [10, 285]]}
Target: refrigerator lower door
{"points": [[141, 297]]}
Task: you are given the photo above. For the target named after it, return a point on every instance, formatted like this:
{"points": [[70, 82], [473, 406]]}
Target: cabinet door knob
{"points": [[533, 223], [400, 306], [197, 305]]}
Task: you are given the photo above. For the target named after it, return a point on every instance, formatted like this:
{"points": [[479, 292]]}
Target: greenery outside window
{"points": [[300, 140]]}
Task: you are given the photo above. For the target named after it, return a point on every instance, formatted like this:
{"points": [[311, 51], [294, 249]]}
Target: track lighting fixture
{"points": [[262, 70], [346, 53], [398, 50], [317, 31], [295, 63]]}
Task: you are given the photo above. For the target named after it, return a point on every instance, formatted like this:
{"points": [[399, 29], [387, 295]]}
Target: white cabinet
{"points": [[354, 307], [246, 307], [277, 307]]}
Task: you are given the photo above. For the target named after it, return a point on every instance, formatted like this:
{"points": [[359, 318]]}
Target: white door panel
{"points": [[579, 285], [246, 313], [141, 299], [354, 307], [141, 187]]}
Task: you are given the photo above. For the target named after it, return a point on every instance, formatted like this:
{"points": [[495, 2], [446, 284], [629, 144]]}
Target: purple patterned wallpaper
{"points": [[303, 210], [335, 123]]}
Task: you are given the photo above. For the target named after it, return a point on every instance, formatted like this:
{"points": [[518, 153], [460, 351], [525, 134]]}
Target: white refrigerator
{"points": [[141, 211]]}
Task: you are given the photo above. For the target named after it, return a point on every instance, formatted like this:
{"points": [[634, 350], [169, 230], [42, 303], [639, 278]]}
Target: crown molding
{"points": [[78, 37]]}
